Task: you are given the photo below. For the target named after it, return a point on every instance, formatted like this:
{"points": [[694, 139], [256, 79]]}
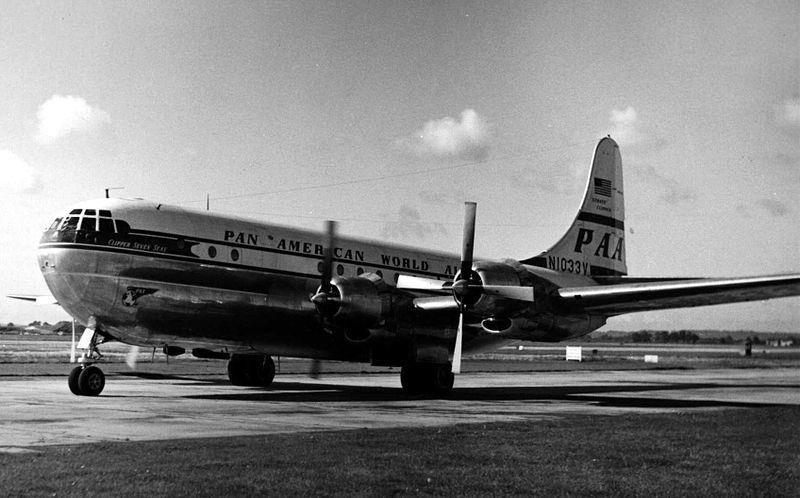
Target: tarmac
{"points": [[39, 411]]}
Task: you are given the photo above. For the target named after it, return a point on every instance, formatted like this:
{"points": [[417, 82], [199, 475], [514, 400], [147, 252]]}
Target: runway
{"points": [[41, 411]]}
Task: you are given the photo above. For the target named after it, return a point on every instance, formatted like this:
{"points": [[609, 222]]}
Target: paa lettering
{"points": [[586, 237]]}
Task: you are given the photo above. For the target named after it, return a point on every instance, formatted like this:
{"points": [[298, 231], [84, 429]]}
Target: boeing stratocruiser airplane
{"points": [[154, 275]]}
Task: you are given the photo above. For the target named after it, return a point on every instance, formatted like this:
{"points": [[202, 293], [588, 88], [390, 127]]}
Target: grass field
{"points": [[752, 452]]}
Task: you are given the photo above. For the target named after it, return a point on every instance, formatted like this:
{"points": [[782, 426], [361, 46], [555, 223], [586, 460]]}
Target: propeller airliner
{"points": [[216, 286]]}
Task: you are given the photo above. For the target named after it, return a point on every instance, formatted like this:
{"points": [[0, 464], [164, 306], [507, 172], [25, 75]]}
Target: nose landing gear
{"points": [[87, 379]]}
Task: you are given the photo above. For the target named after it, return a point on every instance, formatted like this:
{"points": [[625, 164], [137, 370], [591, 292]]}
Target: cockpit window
{"points": [[106, 225], [89, 223], [55, 224], [105, 212], [89, 212], [70, 222], [75, 211], [122, 227]]}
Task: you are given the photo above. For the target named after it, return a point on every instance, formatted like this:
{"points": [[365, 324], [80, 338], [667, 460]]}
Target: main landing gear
{"points": [[427, 378], [251, 370]]}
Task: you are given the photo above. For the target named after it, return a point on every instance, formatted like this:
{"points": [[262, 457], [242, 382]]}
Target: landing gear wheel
{"points": [[421, 378], [442, 379], [237, 371], [72, 381], [251, 370], [91, 381], [265, 372]]}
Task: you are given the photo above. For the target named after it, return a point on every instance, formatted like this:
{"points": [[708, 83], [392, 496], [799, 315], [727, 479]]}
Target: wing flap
{"points": [[657, 295]]}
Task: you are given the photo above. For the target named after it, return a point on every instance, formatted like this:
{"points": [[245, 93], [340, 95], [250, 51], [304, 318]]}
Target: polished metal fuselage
{"points": [[199, 280]]}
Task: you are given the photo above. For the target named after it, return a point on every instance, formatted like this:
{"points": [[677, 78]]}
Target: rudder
{"points": [[594, 245]]}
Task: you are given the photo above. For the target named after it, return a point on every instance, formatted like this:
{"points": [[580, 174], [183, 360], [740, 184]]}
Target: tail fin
{"points": [[595, 243]]}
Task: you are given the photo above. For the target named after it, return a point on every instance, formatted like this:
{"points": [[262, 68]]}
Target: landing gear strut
{"points": [[251, 370], [427, 378]]}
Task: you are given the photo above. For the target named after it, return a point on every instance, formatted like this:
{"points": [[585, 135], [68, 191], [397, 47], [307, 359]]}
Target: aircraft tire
{"points": [[238, 371], [264, 371], [411, 378], [72, 381], [91, 381], [441, 379]]}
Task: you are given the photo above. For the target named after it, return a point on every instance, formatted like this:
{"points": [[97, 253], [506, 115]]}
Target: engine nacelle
{"points": [[495, 273], [362, 304]]}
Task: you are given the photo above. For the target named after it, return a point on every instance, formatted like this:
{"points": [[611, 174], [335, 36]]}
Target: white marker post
{"points": [[574, 353]]}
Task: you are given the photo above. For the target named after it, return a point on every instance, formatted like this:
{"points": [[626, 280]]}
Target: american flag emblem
{"points": [[602, 187]]}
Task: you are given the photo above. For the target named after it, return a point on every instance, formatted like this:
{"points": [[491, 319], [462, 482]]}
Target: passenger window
{"points": [[106, 225], [122, 227], [235, 255], [89, 224]]}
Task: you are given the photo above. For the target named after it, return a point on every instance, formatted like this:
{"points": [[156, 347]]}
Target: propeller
{"points": [[325, 296], [467, 287], [325, 293], [461, 287], [132, 357]]}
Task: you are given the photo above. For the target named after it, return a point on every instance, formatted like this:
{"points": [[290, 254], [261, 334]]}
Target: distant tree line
{"points": [[664, 337]]}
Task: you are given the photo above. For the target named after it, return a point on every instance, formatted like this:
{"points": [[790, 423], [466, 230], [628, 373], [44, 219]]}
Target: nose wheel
{"points": [[86, 380]]}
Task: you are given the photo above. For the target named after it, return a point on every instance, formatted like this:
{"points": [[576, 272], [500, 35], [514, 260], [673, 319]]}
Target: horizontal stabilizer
{"points": [[643, 296]]}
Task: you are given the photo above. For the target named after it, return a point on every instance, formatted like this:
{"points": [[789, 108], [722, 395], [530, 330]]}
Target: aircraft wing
{"points": [[38, 299], [660, 294]]}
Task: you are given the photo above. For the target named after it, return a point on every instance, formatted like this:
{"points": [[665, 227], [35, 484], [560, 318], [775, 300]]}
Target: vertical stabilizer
{"points": [[595, 243]]}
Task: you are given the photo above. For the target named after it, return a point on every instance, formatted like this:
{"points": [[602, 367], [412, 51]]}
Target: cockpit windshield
{"points": [[89, 220]]}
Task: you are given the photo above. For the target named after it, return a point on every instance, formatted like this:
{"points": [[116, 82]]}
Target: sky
{"points": [[387, 116]]}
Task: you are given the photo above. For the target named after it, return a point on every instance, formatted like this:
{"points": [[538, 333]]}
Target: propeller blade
{"points": [[519, 293], [327, 258], [468, 239], [409, 282], [132, 357], [456, 367], [316, 368]]}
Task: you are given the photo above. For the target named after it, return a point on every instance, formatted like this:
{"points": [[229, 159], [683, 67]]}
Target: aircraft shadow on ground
{"points": [[593, 394]]}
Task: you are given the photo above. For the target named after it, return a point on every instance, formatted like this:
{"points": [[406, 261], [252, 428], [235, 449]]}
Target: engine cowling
{"points": [[494, 273], [362, 303]]}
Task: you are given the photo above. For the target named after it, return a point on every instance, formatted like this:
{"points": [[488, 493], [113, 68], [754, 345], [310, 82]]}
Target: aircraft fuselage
{"points": [[156, 275]]}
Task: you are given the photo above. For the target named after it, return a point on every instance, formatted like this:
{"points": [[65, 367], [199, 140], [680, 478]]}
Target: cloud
{"points": [[448, 138], [61, 116], [410, 227], [17, 175], [787, 114], [774, 207], [624, 126], [671, 190]]}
